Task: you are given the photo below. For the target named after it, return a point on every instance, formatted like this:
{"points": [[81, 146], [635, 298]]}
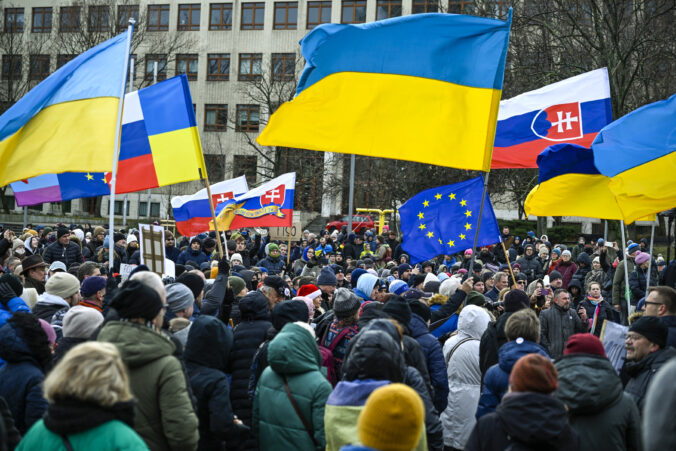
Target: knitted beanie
{"points": [[63, 285], [584, 344], [652, 328], [516, 300], [327, 277], [81, 322], [392, 419], [534, 372], [345, 303], [397, 307], [237, 284], [475, 298], [92, 285], [179, 297]]}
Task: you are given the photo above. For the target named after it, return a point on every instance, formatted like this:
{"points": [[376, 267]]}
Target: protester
{"points": [[661, 302], [596, 309], [10, 300], [559, 322], [63, 249], [34, 274], [343, 327], [658, 426], [79, 325]]}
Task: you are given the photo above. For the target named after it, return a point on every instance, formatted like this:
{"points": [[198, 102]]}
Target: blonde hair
{"points": [[92, 371], [153, 281], [503, 292]]}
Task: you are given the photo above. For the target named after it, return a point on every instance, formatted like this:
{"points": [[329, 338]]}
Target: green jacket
{"points": [[164, 416], [113, 435], [294, 354]]}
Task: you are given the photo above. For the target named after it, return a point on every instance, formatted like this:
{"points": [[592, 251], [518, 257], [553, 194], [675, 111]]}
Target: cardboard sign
{"points": [[282, 233], [152, 247], [125, 270]]}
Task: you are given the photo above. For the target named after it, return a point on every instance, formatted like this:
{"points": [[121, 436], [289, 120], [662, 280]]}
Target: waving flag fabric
{"points": [[424, 88], [67, 122], [269, 205], [570, 111], [638, 152], [159, 146], [193, 213], [443, 220]]}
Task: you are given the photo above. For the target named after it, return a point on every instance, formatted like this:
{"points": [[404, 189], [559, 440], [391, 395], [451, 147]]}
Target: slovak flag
{"points": [[269, 205], [193, 213], [570, 111]]}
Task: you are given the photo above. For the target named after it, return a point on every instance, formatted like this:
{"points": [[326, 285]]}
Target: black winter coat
{"points": [[524, 421], [248, 335], [605, 312], [641, 373], [67, 254], [556, 327], [491, 342], [434, 358]]}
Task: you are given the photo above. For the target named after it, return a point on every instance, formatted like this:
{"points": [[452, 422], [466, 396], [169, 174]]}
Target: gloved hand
{"points": [[224, 266], [229, 297], [6, 293]]}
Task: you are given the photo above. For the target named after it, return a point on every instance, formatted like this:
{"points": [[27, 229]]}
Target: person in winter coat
{"points": [[529, 263], [247, 337], [566, 267], [79, 325], [434, 357], [292, 386], [638, 278], [10, 300], [559, 322], [170, 249], [576, 293], [596, 309], [24, 346], [523, 332], [619, 289], [193, 253], [273, 261], [597, 272], [164, 415], [658, 425], [90, 404], [461, 352], [602, 414], [63, 249], [62, 292], [206, 358], [343, 327], [528, 417], [584, 265]]}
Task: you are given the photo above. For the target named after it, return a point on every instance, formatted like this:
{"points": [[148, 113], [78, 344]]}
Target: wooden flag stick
{"points": [[288, 248], [509, 265], [205, 179]]}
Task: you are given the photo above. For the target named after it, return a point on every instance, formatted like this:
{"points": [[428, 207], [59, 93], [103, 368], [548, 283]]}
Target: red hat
{"points": [[584, 344], [534, 372], [309, 290]]}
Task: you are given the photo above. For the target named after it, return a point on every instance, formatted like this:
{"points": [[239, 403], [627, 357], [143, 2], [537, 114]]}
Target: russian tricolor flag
{"points": [[570, 111], [193, 213]]}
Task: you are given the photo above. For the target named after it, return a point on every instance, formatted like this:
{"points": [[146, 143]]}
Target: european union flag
{"points": [[443, 220]]}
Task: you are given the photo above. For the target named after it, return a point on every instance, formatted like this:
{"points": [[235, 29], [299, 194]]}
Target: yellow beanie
{"points": [[392, 419]]}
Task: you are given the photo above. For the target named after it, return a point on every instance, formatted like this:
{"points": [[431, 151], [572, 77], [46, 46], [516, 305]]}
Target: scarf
{"points": [[596, 302], [72, 416]]}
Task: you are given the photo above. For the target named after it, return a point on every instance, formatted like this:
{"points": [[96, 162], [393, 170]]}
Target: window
{"points": [[250, 66], [461, 7], [161, 66], [388, 8], [42, 20], [39, 67], [13, 20], [246, 165], [426, 6], [318, 13], [187, 64], [63, 59], [215, 118], [253, 16], [37, 207], [189, 17], [220, 16], [218, 66], [69, 19], [154, 209], [283, 66], [498, 8], [124, 13], [99, 19], [118, 207], [133, 60], [215, 166], [158, 17], [286, 15], [11, 67], [247, 118], [353, 11]]}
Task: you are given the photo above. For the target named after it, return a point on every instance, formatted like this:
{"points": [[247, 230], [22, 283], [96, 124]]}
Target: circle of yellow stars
{"points": [[430, 234]]}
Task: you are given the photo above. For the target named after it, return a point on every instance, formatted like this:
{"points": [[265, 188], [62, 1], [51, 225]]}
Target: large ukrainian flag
{"points": [[423, 88], [67, 122]]}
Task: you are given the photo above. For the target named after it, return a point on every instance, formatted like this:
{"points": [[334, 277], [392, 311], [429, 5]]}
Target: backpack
{"points": [[327, 354]]}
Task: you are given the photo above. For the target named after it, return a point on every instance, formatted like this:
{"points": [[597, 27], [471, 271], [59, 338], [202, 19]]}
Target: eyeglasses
{"points": [[653, 303], [633, 337]]}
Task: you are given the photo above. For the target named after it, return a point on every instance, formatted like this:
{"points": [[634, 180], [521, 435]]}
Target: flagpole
{"points": [[478, 225], [350, 196], [148, 192], [650, 260], [627, 291], [116, 151], [205, 179], [509, 264]]}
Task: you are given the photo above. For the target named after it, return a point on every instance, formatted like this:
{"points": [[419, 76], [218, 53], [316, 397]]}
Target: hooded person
{"points": [[602, 414], [461, 354], [529, 417], [156, 376], [206, 358], [288, 411], [254, 309], [366, 286], [273, 260], [193, 253]]}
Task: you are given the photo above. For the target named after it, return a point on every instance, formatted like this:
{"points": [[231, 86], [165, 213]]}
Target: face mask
{"points": [[20, 251]]}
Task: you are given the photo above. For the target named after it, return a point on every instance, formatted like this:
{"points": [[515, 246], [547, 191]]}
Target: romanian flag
{"points": [[269, 205], [159, 146], [66, 123], [638, 153], [423, 88]]}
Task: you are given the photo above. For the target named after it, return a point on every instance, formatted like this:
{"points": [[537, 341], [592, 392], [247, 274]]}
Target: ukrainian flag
{"points": [[67, 122], [638, 153], [423, 88]]}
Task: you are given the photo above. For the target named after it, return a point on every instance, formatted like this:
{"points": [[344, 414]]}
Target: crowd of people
{"points": [[335, 341]]}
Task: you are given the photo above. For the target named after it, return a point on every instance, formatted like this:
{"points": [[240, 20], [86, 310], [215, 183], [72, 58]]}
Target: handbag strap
{"points": [[298, 412], [66, 443], [337, 339], [456, 346]]}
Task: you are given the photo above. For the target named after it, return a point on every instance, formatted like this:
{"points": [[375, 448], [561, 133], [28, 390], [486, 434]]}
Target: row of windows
{"points": [[220, 15], [247, 118], [282, 67]]}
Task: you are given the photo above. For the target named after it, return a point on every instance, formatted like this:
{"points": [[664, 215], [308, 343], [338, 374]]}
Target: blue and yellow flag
{"points": [[443, 220], [638, 153], [66, 123], [423, 88]]}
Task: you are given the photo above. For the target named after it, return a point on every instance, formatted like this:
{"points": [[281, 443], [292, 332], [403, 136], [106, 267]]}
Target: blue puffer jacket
{"points": [[20, 380], [434, 358], [6, 311], [496, 381]]}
